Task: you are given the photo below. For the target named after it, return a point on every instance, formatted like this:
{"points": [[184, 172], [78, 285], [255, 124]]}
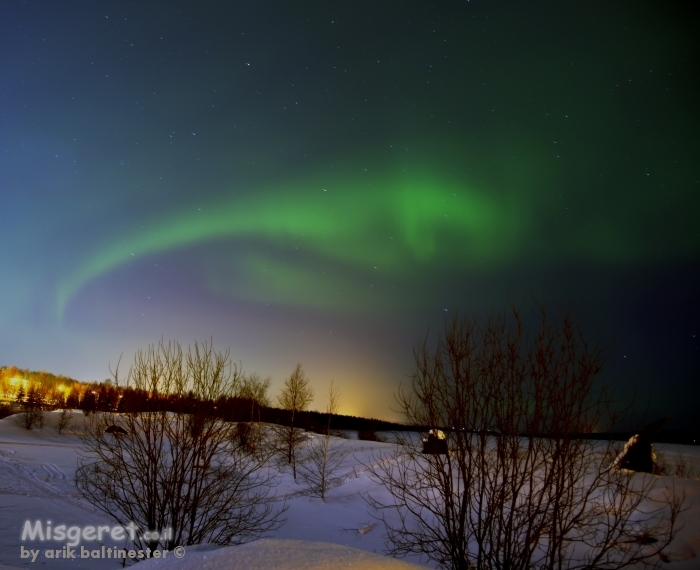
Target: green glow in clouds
{"points": [[385, 226]]}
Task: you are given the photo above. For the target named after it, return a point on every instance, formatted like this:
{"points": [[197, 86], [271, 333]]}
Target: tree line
{"points": [[251, 403]]}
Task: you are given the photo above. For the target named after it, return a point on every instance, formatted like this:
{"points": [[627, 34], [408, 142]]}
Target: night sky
{"points": [[323, 182]]}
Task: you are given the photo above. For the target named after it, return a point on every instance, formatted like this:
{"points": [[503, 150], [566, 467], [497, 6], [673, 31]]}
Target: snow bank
{"points": [[280, 555], [37, 470]]}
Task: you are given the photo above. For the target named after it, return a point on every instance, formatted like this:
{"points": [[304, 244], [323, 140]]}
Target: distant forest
{"points": [[57, 392]]}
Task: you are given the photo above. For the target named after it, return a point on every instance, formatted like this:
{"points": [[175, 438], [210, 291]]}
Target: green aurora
{"points": [[327, 182], [385, 226], [366, 226]]}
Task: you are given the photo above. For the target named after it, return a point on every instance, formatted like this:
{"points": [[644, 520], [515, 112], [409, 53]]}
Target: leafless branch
{"points": [[518, 488], [177, 469]]}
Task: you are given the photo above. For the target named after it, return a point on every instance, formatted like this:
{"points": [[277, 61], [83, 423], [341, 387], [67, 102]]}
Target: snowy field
{"points": [[36, 483]]}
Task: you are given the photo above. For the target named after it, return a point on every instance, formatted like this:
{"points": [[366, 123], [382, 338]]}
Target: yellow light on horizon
{"points": [[347, 410]]}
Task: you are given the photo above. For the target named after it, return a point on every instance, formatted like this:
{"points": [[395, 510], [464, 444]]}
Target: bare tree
{"points": [[64, 418], [171, 462], [295, 397], [518, 488], [322, 457], [251, 435], [333, 403], [255, 388], [32, 409]]}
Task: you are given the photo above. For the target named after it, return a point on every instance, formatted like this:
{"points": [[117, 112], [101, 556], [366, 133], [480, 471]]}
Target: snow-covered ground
{"points": [[36, 483]]}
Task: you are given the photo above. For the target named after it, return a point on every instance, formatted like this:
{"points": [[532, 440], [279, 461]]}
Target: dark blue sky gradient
{"points": [[324, 182]]}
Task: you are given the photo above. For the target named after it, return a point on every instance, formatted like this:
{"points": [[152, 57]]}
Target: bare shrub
{"points": [[682, 468], [64, 419], [319, 464], [295, 397], [243, 435], [253, 438], [372, 435], [367, 435], [178, 464], [255, 388], [517, 488], [678, 468], [322, 457], [342, 434], [383, 438]]}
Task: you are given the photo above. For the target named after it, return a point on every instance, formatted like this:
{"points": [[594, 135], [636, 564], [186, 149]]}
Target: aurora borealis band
{"points": [[324, 182]]}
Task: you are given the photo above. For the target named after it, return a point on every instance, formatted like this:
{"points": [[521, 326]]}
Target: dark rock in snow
{"points": [[637, 454], [435, 443]]}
